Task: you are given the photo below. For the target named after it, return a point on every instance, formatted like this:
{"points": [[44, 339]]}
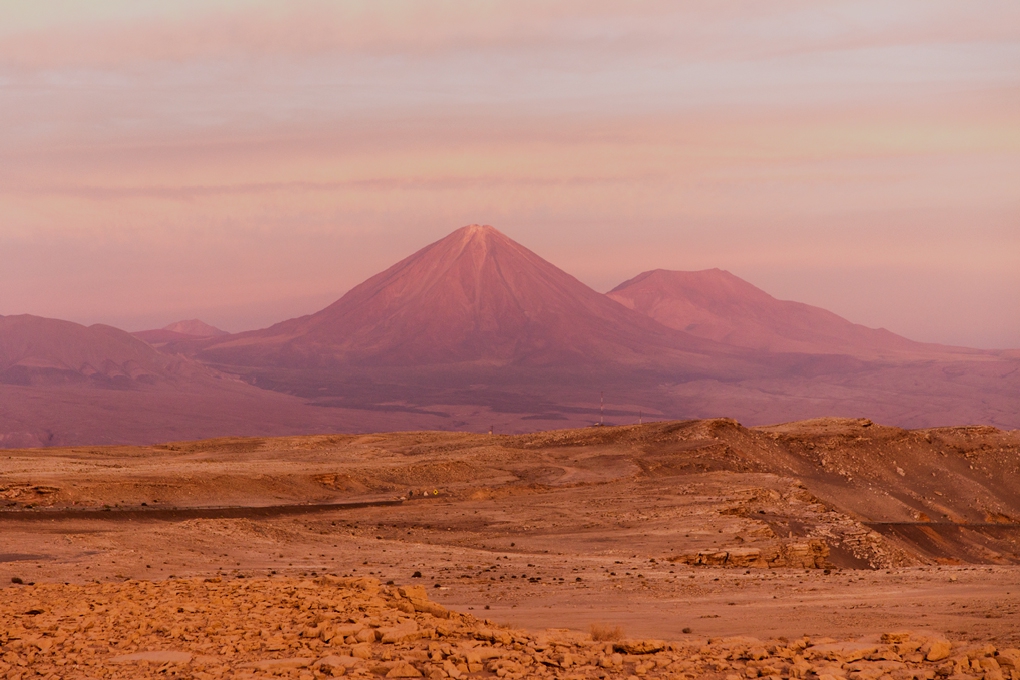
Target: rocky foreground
{"points": [[322, 627]]}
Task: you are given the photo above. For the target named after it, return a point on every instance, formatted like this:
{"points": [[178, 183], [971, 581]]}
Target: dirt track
{"points": [[181, 514]]}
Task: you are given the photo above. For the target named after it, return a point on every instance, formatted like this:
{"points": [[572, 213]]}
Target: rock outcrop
{"points": [[811, 554]]}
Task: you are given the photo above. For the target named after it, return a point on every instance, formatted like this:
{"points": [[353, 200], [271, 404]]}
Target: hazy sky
{"points": [[246, 162]]}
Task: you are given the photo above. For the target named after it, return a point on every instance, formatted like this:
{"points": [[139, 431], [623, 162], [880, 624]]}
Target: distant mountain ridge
{"points": [[474, 331], [194, 327], [179, 330], [35, 351], [62, 383]]}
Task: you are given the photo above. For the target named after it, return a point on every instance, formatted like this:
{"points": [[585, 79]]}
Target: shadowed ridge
{"points": [[717, 305], [473, 296]]}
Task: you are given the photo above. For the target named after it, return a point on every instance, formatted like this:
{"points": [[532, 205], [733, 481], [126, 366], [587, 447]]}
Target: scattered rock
{"points": [[313, 629], [271, 664], [812, 554], [154, 657], [639, 646]]}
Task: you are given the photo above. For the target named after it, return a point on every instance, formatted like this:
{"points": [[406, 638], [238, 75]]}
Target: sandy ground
{"points": [[564, 531], [529, 588], [686, 532]]}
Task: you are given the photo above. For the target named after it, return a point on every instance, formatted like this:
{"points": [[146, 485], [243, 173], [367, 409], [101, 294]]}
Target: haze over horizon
{"points": [[244, 163]]}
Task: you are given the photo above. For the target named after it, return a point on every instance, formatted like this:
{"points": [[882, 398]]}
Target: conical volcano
{"points": [[475, 296]]}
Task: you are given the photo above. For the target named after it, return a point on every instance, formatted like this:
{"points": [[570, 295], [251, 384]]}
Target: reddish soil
{"points": [[702, 525]]}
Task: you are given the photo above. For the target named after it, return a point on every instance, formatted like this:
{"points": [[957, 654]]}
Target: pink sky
{"points": [[245, 162]]}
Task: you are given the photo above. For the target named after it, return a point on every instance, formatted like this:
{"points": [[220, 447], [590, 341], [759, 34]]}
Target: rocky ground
{"points": [[327, 627], [814, 538]]}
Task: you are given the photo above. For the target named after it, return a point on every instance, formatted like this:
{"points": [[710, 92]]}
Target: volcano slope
{"points": [[476, 298], [474, 321], [832, 527], [477, 330], [477, 333]]}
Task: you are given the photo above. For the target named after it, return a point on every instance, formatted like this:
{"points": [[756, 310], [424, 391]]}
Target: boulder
{"points": [[403, 670], [402, 632], [334, 661], [938, 649], [362, 651], [418, 597], [1009, 658]]}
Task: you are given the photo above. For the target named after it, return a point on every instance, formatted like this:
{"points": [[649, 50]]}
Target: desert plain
{"points": [[827, 548]]}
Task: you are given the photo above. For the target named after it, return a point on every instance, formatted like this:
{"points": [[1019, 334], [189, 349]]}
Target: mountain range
{"points": [[476, 331]]}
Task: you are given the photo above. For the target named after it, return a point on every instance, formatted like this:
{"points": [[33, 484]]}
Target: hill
{"points": [[39, 351], [64, 383], [717, 305]]}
